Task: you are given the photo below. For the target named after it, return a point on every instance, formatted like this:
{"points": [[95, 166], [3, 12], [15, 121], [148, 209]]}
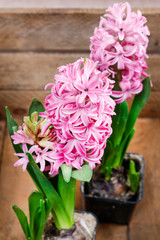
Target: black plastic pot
{"points": [[112, 210]]}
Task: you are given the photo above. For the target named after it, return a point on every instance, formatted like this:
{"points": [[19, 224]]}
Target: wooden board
{"points": [[145, 223], [15, 188], [19, 102], [59, 29], [111, 232], [2, 134], [32, 71], [72, 3]]}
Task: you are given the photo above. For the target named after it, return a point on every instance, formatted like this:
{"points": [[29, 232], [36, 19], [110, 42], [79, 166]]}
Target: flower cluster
{"points": [[39, 139], [119, 44], [77, 121], [80, 109]]}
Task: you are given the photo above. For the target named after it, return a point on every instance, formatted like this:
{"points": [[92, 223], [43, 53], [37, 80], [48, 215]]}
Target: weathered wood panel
{"points": [[2, 132], [19, 102], [31, 70], [145, 223], [24, 71], [111, 232], [59, 29], [73, 3]]}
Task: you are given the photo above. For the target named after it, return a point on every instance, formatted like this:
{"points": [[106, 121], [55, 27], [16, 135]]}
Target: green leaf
{"points": [[118, 123], [120, 152], [84, 175], [10, 121], [110, 161], [66, 171], [34, 178], [34, 204], [133, 177], [12, 126], [139, 101], [47, 208], [15, 128], [60, 215], [108, 172], [36, 106], [23, 221], [39, 221], [67, 192], [125, 145], [39, 212]]}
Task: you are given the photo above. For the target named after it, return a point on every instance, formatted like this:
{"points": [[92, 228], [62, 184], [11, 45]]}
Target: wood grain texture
{"points": [[19, 102], [145, 223], [111, 232], [2, 134], [15, 188], [60, 29], [26, 71], [72, 3]]}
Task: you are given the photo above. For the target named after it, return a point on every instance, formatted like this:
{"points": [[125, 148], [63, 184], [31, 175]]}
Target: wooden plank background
{"points": [[73, 3], [33, 43], [60, 29], [24, 75]]}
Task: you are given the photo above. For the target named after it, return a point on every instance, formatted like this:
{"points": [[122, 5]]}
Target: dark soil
{"points": [[115, 188]]}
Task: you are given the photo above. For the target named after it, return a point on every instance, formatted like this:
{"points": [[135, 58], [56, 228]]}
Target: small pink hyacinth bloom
{"points": [[40, 139], [119, 44], [80, 109], [23, 157]]}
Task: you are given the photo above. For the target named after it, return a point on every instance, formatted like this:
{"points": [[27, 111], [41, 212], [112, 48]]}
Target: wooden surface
{"points": [[60, 29], [32, 71], [72, 3], [19, 102], [145, 224], [24, 75], [34, 41]]}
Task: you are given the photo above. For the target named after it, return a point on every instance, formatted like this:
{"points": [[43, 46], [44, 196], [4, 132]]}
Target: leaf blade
{"points": [[138, 103], [83, 175], [23, 221], [60, 215], [36, 106]]}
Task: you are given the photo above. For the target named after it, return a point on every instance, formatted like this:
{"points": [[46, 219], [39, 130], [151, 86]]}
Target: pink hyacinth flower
{"points": [[80, 109], [119, 45], [21, 137], [23, 157]]}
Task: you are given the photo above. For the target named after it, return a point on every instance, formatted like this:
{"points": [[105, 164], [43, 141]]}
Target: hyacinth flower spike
{"points": [[119, 45]]}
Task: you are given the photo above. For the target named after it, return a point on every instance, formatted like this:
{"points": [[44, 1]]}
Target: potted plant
{"points": [[119, 45], [60, 142]]}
